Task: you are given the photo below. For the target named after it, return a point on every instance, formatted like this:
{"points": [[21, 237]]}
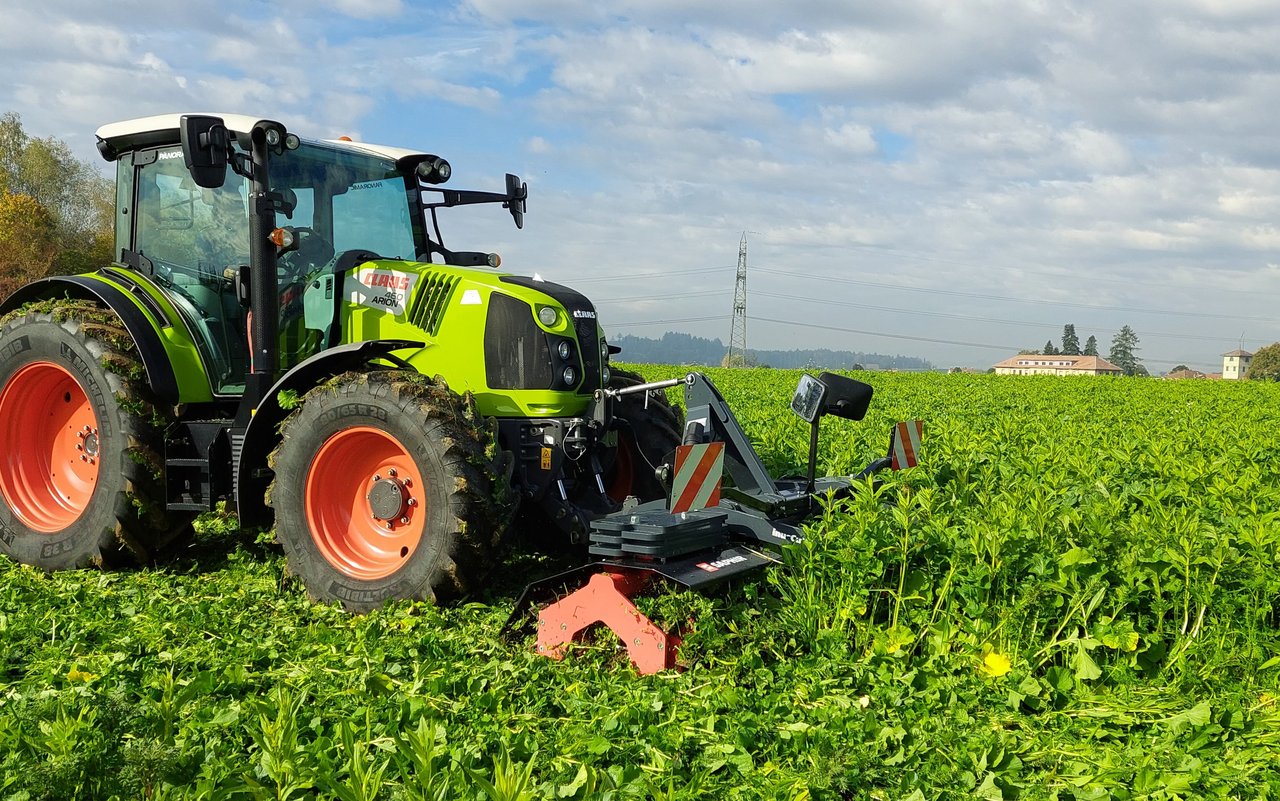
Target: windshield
{"points": [[349, 200]]}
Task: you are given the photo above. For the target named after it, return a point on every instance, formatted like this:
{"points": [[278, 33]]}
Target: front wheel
{"points": [[383, 491], [648, 433]]}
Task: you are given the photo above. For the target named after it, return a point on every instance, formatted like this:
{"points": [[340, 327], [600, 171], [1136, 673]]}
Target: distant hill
{"points": [[678, 348]]}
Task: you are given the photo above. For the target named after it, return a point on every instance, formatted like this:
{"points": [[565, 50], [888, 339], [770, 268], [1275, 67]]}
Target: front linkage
{"points": [[721, 506]]}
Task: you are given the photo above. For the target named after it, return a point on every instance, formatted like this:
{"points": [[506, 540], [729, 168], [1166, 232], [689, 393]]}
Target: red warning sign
{"points": [[699, 469], [905, 448]]}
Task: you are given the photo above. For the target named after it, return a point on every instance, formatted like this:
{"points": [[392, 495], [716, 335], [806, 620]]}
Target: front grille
{"points": [[433, 297], [585, 328], [516, 352]]}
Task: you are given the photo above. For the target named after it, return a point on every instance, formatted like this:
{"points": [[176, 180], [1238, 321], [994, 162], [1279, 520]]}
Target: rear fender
{"points": [[262, 434], [143, 326]]}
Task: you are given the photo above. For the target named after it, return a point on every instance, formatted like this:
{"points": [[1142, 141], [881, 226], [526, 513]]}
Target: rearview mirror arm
{"points": [[813, 455]]}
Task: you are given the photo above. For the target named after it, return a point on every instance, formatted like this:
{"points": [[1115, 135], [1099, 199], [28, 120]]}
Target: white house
{"points": [[1235, 364]]}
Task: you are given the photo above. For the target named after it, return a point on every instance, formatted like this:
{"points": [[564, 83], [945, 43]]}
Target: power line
{"points": [[645, 276], [961, 263], [983, 296], [668, 321], [668, 296], [1004, 348], [973, 318]]}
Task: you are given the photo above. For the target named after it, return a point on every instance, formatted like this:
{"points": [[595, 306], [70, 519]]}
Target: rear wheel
{"points": [[383, 491], [648, 434], [79, 469]]}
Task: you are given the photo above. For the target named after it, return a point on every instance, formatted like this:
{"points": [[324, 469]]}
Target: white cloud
{"points": [[853, 138], [368, 9]]}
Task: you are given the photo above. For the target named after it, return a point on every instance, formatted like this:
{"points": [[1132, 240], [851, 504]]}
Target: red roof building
{"points": [[1058, 364]]}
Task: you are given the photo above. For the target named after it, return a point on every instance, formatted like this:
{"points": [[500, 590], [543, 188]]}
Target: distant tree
{"points": [[28, 241], [1091, 346], [857, 366], [1028, 352], [1266, 364], [1124, 350], [1070, 342], [1180, 367], [1050, 349], [74, 198]]}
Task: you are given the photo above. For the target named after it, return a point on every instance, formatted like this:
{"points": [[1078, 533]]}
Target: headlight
{"points": [[565, 350], [547, 316], [570, 376], [604, 350], [605, 375]]}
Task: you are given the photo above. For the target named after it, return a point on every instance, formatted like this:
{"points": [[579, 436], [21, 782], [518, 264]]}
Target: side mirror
{"points": [[831, 394], [846, 397], [517, 196], [809, 398], [204, 149]]}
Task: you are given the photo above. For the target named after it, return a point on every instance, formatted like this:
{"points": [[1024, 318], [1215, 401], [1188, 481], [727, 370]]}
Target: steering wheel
{"points": [[311, 252]]}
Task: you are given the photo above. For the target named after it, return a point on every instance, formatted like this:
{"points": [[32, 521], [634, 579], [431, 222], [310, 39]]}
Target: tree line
{"points": [[56, 212], [675, 347]]}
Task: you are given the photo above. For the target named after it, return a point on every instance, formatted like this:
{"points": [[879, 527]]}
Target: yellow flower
{"points": [[995, 664], [76, 674]]}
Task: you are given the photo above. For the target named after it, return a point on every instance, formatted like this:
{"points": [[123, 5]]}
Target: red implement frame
{"points": [[607, 599]]}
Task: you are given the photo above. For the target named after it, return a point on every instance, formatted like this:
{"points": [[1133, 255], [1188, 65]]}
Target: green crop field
{"points": [[1075, 596]]}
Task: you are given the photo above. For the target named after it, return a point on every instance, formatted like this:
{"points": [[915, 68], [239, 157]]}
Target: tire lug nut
{"points": [[412, 502], [377, 477], [79, 447], [392, 472], [408, 483], [404, 520]]}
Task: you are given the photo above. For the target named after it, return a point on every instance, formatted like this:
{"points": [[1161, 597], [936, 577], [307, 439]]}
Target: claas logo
{"points": [[387, 281]]}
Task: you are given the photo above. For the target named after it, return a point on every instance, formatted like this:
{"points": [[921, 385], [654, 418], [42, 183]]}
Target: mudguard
{"points": [[143, 326], [249, 455]]}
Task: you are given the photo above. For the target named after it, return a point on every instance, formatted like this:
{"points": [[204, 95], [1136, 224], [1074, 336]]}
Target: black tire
{"points": [[461, 503], [118, 515], [647, 436]]}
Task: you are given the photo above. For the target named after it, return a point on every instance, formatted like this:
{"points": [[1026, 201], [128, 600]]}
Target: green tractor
{"points": [[286, 333]]}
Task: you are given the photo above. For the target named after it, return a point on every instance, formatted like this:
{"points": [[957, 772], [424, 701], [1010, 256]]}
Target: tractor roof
{"points": [[162, 129]]}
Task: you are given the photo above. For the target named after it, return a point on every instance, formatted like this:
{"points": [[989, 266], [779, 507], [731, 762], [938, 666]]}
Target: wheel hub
{"points": [[88, 444], [387, 499]]}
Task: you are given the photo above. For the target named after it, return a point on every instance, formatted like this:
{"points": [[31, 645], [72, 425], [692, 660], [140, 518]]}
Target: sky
{"points": [[935, 178]]}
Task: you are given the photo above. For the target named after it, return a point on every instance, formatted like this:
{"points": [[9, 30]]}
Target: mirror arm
{"points": [[813, 455]]}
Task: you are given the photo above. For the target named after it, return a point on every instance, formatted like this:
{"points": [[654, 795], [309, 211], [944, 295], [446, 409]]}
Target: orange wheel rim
{"points": [[623, 470], [51, 455], [365, 503]]}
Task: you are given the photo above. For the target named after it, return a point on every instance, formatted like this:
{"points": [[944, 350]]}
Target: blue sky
{"points": [[977, 174]]}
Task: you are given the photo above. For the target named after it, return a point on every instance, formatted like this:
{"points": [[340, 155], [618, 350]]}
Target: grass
{"points": [[1076, 596]]}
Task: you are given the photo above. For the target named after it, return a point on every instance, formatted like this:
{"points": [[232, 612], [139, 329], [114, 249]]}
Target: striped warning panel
{"points": [[906, 443], [699, 469]]}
